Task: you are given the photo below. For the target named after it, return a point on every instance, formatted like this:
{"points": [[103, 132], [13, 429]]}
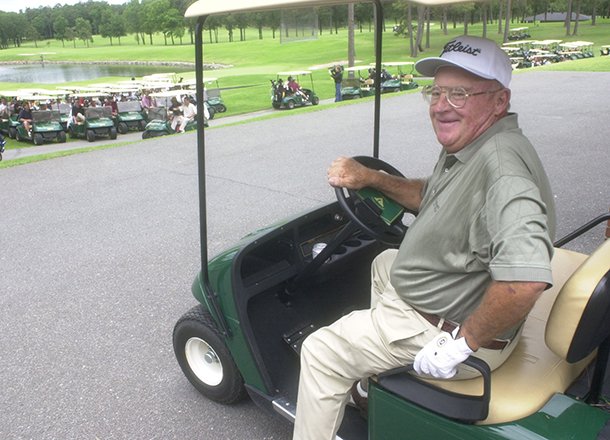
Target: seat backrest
{"points": [[580, 318]]}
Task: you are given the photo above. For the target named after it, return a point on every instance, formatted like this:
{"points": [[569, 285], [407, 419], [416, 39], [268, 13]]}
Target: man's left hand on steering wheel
{"points": [[371, 218]]}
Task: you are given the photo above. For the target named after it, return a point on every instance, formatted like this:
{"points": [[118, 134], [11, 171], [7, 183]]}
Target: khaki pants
{"points": [[360, 345]]}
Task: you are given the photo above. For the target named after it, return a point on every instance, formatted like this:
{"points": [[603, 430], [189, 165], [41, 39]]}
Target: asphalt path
{"points": [[98, 250]]}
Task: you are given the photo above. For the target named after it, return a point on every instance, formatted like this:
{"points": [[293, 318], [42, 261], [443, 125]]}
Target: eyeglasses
{"points": [[456, 96]]}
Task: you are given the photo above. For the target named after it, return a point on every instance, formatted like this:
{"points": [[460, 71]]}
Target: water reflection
{"points": [[58, 73]]}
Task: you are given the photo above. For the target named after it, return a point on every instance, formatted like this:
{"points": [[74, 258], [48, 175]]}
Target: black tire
{"points": [[38, 139], [276, 105], [205, 359], [112, 133], [220, 108], [146, 134], [290, 104], [142, 125], [18, 136], [12, 132], [61, 137], [123, 128], [90, 135], [315, 100]]}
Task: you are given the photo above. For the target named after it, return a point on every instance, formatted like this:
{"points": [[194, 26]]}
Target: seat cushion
{"points": [[565, 319], [533, 373]]}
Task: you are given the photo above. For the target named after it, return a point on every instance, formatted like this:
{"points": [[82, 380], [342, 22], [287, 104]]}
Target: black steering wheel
{"points": [[372, 211]]}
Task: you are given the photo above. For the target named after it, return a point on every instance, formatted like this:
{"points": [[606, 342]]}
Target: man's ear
{"points": [[502, 101]]}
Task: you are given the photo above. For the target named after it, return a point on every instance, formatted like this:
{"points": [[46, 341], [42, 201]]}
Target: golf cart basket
{"points": [[98, 112], [128, 106], [157, 114], [45, 116]]}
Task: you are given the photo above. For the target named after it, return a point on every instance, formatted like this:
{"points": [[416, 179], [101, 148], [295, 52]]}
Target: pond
{"points": [[46, 73]]}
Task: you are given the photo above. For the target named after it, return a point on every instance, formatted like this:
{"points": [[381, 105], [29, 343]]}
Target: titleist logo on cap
{"points": [[457, 46]]}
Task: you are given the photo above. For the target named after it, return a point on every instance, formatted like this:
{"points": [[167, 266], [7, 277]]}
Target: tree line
{"points": [[77, 24]]}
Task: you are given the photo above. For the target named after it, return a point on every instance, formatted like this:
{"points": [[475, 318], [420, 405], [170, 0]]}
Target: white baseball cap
{"points": [[479, 56]]}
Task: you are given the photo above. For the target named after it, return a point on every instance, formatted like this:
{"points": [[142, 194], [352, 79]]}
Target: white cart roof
{"points": [[210, 7]]}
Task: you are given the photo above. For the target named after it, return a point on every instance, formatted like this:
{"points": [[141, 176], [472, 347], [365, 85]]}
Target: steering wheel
{"points": [[367, 210]]}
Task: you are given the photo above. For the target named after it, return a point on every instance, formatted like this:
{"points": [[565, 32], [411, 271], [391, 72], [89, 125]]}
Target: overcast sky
{"points": [[17, 5]]}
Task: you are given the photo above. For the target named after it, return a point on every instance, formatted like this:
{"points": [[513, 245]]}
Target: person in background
{"points": [[147, 102], [336, 74], [25, 116], [295, 88]]}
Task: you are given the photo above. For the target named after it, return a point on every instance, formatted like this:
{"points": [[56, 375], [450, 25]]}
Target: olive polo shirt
{"points": [[487, 216]]}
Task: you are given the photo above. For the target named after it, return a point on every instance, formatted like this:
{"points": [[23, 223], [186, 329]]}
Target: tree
{"points": [[60, 27], [172, 25], [212, 24], [229, 23], [507, 19], [154, 11], [71, 35], [134, 19], [82, 30], [241, 21], [351, 46], [112, 26]]}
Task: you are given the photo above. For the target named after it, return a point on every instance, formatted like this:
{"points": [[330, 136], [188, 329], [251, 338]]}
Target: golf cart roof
{"points": [[295, 73], [28, 97], [397, 63], [169, 94], [357, 68], [210, 7]]}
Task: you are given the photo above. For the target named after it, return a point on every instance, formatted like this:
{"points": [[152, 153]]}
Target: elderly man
{"points": [[472, 264]]}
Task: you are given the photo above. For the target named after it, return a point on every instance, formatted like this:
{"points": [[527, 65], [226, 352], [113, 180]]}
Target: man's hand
{"points": [[345, 172], [440, 357]]}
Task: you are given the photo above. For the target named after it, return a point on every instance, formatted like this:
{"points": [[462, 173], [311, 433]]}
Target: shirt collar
{"points": [[506, 123]]}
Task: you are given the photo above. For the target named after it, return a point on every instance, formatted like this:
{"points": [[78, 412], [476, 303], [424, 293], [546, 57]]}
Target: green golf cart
{"points": [[8, 126], [130, 116], [46, 127], [9, 121], [65, 111], [259, 299], [159, 119], [355, 84], [283, 97], [98, 124], [213, 98], [400, 80]]}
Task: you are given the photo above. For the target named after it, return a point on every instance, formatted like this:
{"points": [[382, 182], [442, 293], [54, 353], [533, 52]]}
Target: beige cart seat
{"points": [[537, 369]]}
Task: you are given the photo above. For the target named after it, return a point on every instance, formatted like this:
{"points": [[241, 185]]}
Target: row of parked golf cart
{"points": [[532, 53], [54, 121]]}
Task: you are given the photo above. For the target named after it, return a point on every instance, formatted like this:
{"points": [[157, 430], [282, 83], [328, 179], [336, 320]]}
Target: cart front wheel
{"points": [[205, 359]]}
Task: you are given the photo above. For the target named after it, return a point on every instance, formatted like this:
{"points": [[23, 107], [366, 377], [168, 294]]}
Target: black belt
{"points": [[449, 326]]}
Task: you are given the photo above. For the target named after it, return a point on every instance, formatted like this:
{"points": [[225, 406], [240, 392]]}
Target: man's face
{"points": [[457, 127]]}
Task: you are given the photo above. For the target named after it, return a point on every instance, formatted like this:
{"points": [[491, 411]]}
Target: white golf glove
{"points": [[440, 357]]}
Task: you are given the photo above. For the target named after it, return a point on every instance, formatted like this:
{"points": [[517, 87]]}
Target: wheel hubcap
{"points": [[204, 361]]}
